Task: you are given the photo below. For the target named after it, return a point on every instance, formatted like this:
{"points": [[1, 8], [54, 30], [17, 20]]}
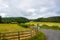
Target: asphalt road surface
{"points": [[51, 34]]}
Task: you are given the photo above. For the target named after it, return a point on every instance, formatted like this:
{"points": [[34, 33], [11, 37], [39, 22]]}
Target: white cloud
{"points": [[43, 9], [3, 14], [29, 8], [25, 4], [3, 5]]}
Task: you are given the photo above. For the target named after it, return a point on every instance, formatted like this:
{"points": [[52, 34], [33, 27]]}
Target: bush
{"points": [[0, 19], [24, 25], [44, 26], [56, 27]]}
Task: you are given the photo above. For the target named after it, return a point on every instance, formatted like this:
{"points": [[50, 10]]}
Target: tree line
{"points": [[49, 19], [13, 20], [24, 20]]}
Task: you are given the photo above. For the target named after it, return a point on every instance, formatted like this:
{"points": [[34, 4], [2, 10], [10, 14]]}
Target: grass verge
{"points": [[39, 36]]}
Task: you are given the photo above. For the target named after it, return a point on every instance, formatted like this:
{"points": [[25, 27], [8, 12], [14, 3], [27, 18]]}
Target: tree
{"points": [[49, 19], [22, 20], [14, 20], [0, 19]]}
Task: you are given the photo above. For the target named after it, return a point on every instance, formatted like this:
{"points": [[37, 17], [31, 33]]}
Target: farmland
{"points": [[43, 23], [46, 25], [10, 28], [16, 27]]}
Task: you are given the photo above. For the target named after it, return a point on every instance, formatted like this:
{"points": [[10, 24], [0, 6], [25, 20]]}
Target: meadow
{"points": [[11, 28], [38, 36], [16, 27], [46, 25]]}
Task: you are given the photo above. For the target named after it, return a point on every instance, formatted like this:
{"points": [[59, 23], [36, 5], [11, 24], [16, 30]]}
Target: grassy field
{"points": [[39, 36], [46, 25], [11, 28], [16, 27]]}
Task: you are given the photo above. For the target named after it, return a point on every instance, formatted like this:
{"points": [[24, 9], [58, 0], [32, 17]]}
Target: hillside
{"points": [[49, 19], [24, 20]]}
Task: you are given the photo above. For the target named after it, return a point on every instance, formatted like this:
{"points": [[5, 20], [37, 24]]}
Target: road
{"points": [[51, 34]]}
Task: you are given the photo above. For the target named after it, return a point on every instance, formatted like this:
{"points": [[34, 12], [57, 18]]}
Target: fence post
{"points": [[31, 33], [18, 35], [0, 35]]}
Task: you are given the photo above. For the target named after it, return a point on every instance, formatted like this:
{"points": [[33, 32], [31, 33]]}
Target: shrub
{"points": [[55, 27], [44, 26], [23, 25]]}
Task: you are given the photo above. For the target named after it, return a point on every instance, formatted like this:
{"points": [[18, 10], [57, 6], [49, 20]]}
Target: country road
{"points": [[51, 34]]}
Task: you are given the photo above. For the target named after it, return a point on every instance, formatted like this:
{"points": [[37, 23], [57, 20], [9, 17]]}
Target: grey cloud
{"points": [[19, 7]]}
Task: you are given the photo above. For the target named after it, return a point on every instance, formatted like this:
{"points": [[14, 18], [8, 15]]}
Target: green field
{"points": [[46, 25], [11, 28], [16, 27]]}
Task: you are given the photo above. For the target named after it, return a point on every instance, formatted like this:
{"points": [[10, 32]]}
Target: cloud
{"points": [[2, 14], [43, 9], [31, 9]]}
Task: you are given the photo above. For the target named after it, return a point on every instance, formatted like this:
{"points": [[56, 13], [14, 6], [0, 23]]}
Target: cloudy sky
{"points": [[31, 9]]}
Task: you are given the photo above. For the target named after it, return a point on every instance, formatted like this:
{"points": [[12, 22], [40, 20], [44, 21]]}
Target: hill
{"points": [[49, 19], [14, 19]]}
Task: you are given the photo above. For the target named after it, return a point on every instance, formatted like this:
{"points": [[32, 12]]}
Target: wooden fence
{"points": [[20, 35]]}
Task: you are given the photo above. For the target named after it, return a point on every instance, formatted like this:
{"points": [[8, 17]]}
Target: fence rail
{"points": [[17, 35]]}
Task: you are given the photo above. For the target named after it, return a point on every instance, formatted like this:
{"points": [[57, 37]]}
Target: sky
{"points": [[30, 9]]}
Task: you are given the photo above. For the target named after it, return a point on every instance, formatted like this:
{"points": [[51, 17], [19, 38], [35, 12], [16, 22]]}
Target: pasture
{"points": [[15, 28], [11, 28], [45, 23]]}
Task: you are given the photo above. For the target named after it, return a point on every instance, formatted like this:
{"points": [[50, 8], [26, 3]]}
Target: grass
{"points": [[50, 27], [47, 25], [11, 28], [39, 36], [16, 27]]}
